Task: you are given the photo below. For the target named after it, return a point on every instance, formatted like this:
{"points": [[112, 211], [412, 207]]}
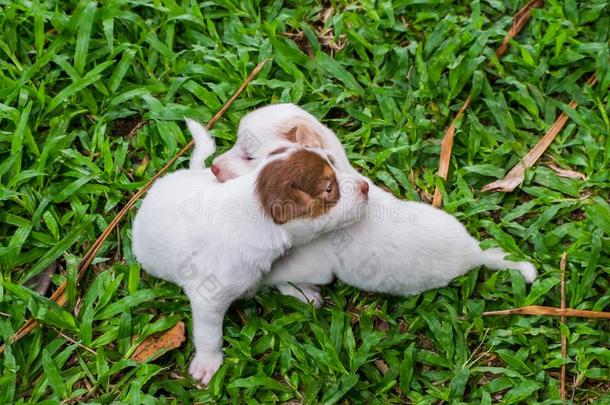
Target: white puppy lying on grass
{"points": [[399, 247], [218, 240]]}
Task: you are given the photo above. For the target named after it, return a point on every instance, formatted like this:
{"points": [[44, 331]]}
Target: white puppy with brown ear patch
{"points": [[218, 240], [399, 247]]}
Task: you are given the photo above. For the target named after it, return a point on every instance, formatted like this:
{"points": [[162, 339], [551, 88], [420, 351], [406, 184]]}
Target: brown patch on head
{"points": [[301, 185], [301, 131]]}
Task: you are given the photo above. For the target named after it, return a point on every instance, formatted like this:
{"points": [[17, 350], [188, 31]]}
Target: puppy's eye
{"points": [[247, 157], [329, 188]]}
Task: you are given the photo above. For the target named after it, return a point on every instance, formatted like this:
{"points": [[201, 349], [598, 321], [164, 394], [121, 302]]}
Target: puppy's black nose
{"points": [[215, 170], [364, 187]]}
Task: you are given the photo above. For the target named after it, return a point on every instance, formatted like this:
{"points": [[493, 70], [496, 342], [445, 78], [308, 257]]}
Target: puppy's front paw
{"points": [[312, 295], [307, 293], [204, 366]]}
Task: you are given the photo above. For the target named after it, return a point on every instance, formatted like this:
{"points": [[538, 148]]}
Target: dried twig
{"points": [[470, 362], [519, 21], [59, 295], [575, 384], [551, 311], [136, 128], [567, 173], [564, 341], [446, 147], [517, 173], [71, 340]]}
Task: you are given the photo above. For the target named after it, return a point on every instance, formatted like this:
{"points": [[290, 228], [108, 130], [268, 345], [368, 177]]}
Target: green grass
{"points": [[92, 97]]}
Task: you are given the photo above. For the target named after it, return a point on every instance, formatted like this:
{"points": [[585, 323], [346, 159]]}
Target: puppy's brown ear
{"points": [[282, 202], [305, 135], [290, 187], [292, 206]]}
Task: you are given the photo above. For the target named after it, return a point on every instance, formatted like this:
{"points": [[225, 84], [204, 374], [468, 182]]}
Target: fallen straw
{"points": [[517, 174], [446, 147], [550, 311], [519, 20], [59, 295]]}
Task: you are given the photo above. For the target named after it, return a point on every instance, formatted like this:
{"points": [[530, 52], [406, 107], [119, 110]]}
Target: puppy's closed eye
{"points": [[278, 151]]}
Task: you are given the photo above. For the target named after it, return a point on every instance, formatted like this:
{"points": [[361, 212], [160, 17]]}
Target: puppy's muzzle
{"points": [[356, 188]]}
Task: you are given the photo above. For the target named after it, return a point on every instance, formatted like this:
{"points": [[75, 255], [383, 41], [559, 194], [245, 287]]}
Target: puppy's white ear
{"points": [[307, 136], [204, 144]]}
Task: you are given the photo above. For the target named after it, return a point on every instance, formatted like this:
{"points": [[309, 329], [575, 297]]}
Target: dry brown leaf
{"points": [[160, 343], [519, 21], [572, 174], [382, 366], [59, 295], [403, 326], [551, 311], [327, 39], [382, 325], [517, 173], [42, 281], [446, 147], [326, 14]]}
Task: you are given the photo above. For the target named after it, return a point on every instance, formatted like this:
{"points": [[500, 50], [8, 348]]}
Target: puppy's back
{"points": [[171, 220]]}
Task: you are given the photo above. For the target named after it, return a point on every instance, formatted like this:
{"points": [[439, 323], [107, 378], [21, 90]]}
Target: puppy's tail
{"points": [[204, 144], [494, 259]]}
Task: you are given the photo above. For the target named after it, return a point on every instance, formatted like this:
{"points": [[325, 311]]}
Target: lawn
{"points": [[92, 100]]}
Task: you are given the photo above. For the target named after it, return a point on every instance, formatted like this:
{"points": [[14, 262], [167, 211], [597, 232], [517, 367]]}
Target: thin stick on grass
{"points": [[517, 174], [59, 295], [564, 340], [73, 341], [470, 362], [538, 310], [519, 20]]}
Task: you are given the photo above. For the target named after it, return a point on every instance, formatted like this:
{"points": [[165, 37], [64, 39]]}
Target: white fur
{"points": [[204, 144], [214, 241], [258, 134], [399, 247]]}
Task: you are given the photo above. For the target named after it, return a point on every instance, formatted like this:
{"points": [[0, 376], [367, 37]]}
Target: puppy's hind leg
{"points": [[297, 275]]}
